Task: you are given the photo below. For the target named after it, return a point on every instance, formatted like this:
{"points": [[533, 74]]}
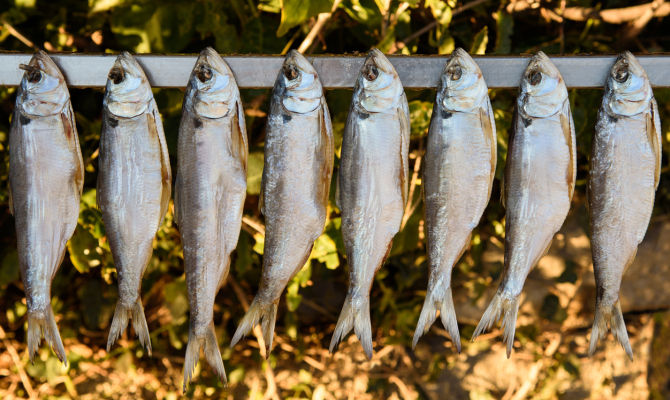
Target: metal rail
{"points": [[416, 72]]}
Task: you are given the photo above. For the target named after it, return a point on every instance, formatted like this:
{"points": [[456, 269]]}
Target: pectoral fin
{"points": [[326, 150], [166, 172], [238, 136], [489, 128], [569, 131], [67, 118], [403, 118], [654, 132]]}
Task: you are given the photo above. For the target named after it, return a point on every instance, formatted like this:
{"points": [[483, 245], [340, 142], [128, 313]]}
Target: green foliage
{"points": [[84, 290]]}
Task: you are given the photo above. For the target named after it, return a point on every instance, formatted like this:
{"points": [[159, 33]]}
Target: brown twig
{"points": [[401, 44], [658, 9], [321, 20], [255, 226], [271, 392], [18, 364], [412, 205], [12, 31]]}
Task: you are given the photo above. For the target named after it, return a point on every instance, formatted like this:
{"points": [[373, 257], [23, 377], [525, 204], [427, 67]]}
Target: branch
{"points": [[657, 9], [401, 44], [12, 31], [320, 23], [19, 367]]}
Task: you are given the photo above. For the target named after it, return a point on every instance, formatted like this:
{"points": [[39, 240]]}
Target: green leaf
{"points": [[504, 30], [295, 12], [84, 251], [480, 41], [325, 251], [96, 6], [9, 269], [254, 172]]}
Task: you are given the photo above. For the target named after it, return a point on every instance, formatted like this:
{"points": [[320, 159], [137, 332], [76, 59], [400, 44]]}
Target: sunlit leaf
{"points": [[295, 12], [480, 41]]}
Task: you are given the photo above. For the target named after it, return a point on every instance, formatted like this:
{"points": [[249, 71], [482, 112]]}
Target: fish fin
{"points": [[326, 149], [135, 314], [403, 117], [617, 325], [67, 118], [156, 127], [568, 126], [510, 140], [655, 140], [355, 315], [445, 304], [337, 191], [212, 354], [44, 324], [266, 314], [10, 199], [489, 127], [503, 306], [239, 143], [176, 201]]}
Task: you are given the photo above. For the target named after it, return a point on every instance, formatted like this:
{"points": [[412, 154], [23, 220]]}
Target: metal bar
{"points": [[416, 72]]}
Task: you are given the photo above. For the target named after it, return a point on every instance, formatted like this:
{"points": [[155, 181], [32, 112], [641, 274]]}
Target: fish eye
{"points": [[455, 73], [535, 78], [290, 72], [203, 74], [116, 75], [371, 72], [621, 74]]}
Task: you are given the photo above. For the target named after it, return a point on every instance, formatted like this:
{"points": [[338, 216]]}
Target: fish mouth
{"points": [[40, 63], [625, 65], [459, 62], [294, 63], [209, 62], [539, 66], [124, 65], [374, 62], [33, 72]]}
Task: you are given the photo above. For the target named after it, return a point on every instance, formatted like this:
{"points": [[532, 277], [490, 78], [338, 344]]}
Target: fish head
{"points": [[378, 88], [628, 89], [543, 91], [302, 90], [43, 88], [462, 87], [212, 88], [128, 92]]}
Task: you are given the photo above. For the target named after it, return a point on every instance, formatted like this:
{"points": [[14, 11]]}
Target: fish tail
{"points": [[355, 315], [259, 311], [617, 325], [43, 323], [134, 313], [208, 343], [502, 305], [447, 315]]}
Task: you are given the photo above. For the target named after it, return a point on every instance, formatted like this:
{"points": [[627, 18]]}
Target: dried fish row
{"points": [[134, 187]]}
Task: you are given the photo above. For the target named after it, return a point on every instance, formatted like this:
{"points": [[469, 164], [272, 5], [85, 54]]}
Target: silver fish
{"points": [[46, 177], [295, 183], [372, 186], [133, 188], [209, 195], [624, 174], [538, 187], [460, 164]]}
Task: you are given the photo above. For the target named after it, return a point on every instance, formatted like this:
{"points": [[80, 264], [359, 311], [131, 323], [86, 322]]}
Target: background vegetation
{"points": [[555, 319]]}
